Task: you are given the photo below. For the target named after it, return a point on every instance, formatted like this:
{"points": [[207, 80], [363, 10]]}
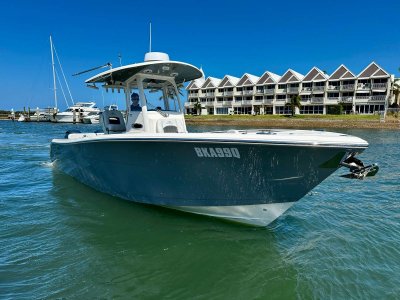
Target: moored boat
{"points": [[76, 113]]}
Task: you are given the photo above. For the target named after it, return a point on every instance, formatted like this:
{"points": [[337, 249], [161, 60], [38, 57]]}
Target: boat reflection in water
{"points": [[247, 176]]}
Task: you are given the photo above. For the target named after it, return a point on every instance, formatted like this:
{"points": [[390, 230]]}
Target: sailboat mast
{"points": [[54, 73]]}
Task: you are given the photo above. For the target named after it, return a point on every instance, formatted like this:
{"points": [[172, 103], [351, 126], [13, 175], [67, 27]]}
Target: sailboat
{"points": [[77, 111]]}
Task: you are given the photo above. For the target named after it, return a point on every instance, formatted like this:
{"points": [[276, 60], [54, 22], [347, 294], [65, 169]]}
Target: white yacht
{"points": [[91, 118], [43, 114], [94, 117], [247, 176], [76, 113]]}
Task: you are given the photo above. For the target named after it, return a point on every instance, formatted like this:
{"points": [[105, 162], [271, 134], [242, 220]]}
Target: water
{"points": [[61, 239]]}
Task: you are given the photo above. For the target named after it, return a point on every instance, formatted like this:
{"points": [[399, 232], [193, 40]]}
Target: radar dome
{"points": [[154, 56]]}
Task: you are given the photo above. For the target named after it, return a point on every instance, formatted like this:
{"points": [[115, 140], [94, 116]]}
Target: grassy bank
{"points": [[298, 121]]}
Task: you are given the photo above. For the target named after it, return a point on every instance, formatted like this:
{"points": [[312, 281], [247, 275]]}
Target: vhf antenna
{"points": [[150, 38]]}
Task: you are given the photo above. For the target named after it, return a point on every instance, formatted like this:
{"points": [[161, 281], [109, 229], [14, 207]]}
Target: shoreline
{"points": [[295, 122], [290, 122]]}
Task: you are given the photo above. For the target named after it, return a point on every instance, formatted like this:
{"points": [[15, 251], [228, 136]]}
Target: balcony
{"points": [[305, 100], [248, 92], [306, 89], [379, 86], [191, 95], [378, 98], [210, 94], [227, 93], [317, 88], [347, 87], [246, 101], [260, 91], [268, 91], [293, 89], [193, 100], [268, 101], [347, 99], [317, 100], [333, 98], [210, 102], [371, 98], [363, 86], [237, 103], [363, 97], [281, 91], [333, 87]]}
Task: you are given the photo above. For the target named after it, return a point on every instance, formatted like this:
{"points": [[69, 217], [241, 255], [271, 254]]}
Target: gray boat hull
{"points": [[177, 173]]}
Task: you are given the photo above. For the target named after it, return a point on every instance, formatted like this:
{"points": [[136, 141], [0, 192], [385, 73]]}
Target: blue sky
{"points": [[224, 37]]}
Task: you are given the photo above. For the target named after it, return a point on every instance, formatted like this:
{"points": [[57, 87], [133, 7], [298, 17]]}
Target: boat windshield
{"points": [[161, 95]]}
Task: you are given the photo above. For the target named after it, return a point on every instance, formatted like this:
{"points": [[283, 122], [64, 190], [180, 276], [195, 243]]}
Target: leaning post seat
{"points": [[112, 121]]}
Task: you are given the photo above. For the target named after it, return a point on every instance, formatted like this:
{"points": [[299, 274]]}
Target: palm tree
{"points": [[396, 93], [171, 91], [197, 107], [294, 102]]}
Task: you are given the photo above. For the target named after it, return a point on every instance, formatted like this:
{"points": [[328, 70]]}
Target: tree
{"points": [[197, 107], [294, 102], [396, 93]]}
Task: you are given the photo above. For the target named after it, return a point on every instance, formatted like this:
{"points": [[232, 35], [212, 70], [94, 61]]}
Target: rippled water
{"points": [[60, 238]]}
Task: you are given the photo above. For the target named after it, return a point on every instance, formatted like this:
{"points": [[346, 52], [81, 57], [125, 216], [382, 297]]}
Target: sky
{"points": [[222, 37]]}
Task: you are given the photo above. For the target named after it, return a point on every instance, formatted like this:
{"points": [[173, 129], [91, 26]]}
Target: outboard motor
{"points": [[357, 168], [112, 121]]}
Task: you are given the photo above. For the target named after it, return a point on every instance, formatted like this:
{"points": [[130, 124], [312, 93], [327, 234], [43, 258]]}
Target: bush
{"points": [[334, 109]]}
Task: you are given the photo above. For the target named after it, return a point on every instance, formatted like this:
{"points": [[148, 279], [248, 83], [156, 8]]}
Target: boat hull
{"points": [[66, 118], [256, 215], [183, 175]]}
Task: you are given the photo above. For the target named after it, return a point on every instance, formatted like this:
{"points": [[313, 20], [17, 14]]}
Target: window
{"points": [[242, 110], [381, 80], [160, 94], [312, 110], [283, 110], [222, 111]]}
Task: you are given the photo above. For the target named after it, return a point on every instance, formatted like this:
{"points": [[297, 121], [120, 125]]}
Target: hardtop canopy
{"points": [[181, 72]]}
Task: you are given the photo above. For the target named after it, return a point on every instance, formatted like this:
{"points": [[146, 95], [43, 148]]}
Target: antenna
{"points": [[95, 68], [150, 39]]}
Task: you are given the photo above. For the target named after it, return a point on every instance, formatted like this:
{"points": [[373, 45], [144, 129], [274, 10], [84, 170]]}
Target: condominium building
{"points": [[366, 93]]}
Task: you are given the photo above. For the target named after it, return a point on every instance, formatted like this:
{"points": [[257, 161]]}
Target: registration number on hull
{"points": [[210, 152]]}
